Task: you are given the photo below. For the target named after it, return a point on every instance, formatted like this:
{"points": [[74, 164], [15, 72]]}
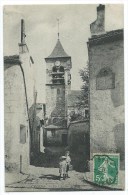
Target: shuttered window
{"points": [[22, 134]]}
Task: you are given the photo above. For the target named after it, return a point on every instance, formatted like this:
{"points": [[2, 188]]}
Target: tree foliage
{"points": [[84, 74]]}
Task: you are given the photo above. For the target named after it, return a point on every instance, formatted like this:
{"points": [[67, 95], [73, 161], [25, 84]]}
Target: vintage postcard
{"points": [[64, 97]]}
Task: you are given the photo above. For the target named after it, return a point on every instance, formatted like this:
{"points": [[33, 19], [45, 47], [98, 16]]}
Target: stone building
{"points": [[58, 84], [19, 94], [106, 62]]}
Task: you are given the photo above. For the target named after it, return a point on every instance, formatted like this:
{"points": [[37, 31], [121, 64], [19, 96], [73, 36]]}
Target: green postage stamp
{"points": [[106, 168]]}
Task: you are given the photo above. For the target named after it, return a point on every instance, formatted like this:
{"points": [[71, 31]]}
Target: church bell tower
{"points": [[58, 84]]}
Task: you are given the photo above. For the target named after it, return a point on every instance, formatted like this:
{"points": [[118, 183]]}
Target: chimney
{"points": [[98, 26], [22, 46], [23, 32]]}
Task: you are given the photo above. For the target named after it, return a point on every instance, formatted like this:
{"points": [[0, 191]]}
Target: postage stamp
{"points": [[106, 168]]}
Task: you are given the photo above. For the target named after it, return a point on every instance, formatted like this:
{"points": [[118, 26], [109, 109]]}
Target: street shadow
{"points": [[50, 177], [79, 157], [47, 159]]}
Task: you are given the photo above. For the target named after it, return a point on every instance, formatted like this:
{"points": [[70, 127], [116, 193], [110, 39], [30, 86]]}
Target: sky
{"points": [[41, 34]]}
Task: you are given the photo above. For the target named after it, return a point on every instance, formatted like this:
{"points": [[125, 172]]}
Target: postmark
{"points": [[106, 169]]}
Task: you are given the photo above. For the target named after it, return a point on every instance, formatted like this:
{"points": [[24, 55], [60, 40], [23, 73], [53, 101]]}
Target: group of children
{"points": [[64, 165]]}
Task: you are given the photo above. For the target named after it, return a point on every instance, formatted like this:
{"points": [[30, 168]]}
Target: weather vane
{"points": [[58, 27]]}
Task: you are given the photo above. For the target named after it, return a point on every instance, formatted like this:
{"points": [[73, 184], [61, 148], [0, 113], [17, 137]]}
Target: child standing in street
{"points": [[68, 162], [62, 167]]}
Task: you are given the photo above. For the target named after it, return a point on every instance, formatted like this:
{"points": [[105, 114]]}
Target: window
{"points": [[105, 79], [54, 69], [58, 91], [22, 134], [64, 139], [86, 114], [53, 133], [58, 75], [61, 69], [69, 76]]}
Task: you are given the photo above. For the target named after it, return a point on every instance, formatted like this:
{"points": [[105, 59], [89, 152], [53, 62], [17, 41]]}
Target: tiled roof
{"points": [[12, 59], [15, 59], [73, 97], [110, 36], [58, 51]]}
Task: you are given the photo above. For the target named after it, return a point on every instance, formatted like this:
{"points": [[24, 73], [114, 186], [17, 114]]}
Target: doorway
{"points": [[64, 139]]}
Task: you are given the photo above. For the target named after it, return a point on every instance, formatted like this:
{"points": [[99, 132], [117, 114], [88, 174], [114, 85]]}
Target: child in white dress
{"points": [[68, 162], [62, 167]]}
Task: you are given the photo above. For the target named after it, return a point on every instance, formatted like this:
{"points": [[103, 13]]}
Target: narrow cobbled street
{"points": [[47, 179]]}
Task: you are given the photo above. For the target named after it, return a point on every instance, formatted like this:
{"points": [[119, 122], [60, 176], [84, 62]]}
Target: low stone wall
{"points": [[79, 144]]}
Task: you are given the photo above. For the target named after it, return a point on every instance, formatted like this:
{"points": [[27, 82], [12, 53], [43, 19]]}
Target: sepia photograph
{"points": [[64, 127]]}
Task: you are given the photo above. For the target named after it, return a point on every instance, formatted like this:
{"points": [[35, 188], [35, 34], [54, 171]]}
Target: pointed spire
{"points": [[58, 51]]}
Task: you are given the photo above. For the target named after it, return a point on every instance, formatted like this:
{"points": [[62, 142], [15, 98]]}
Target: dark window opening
{"points": [[41, 122], [64, 139], [105, 79], [54, 69], [86, 114], [53, 132], [61, 69], [22, 134], [58, 75]]}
